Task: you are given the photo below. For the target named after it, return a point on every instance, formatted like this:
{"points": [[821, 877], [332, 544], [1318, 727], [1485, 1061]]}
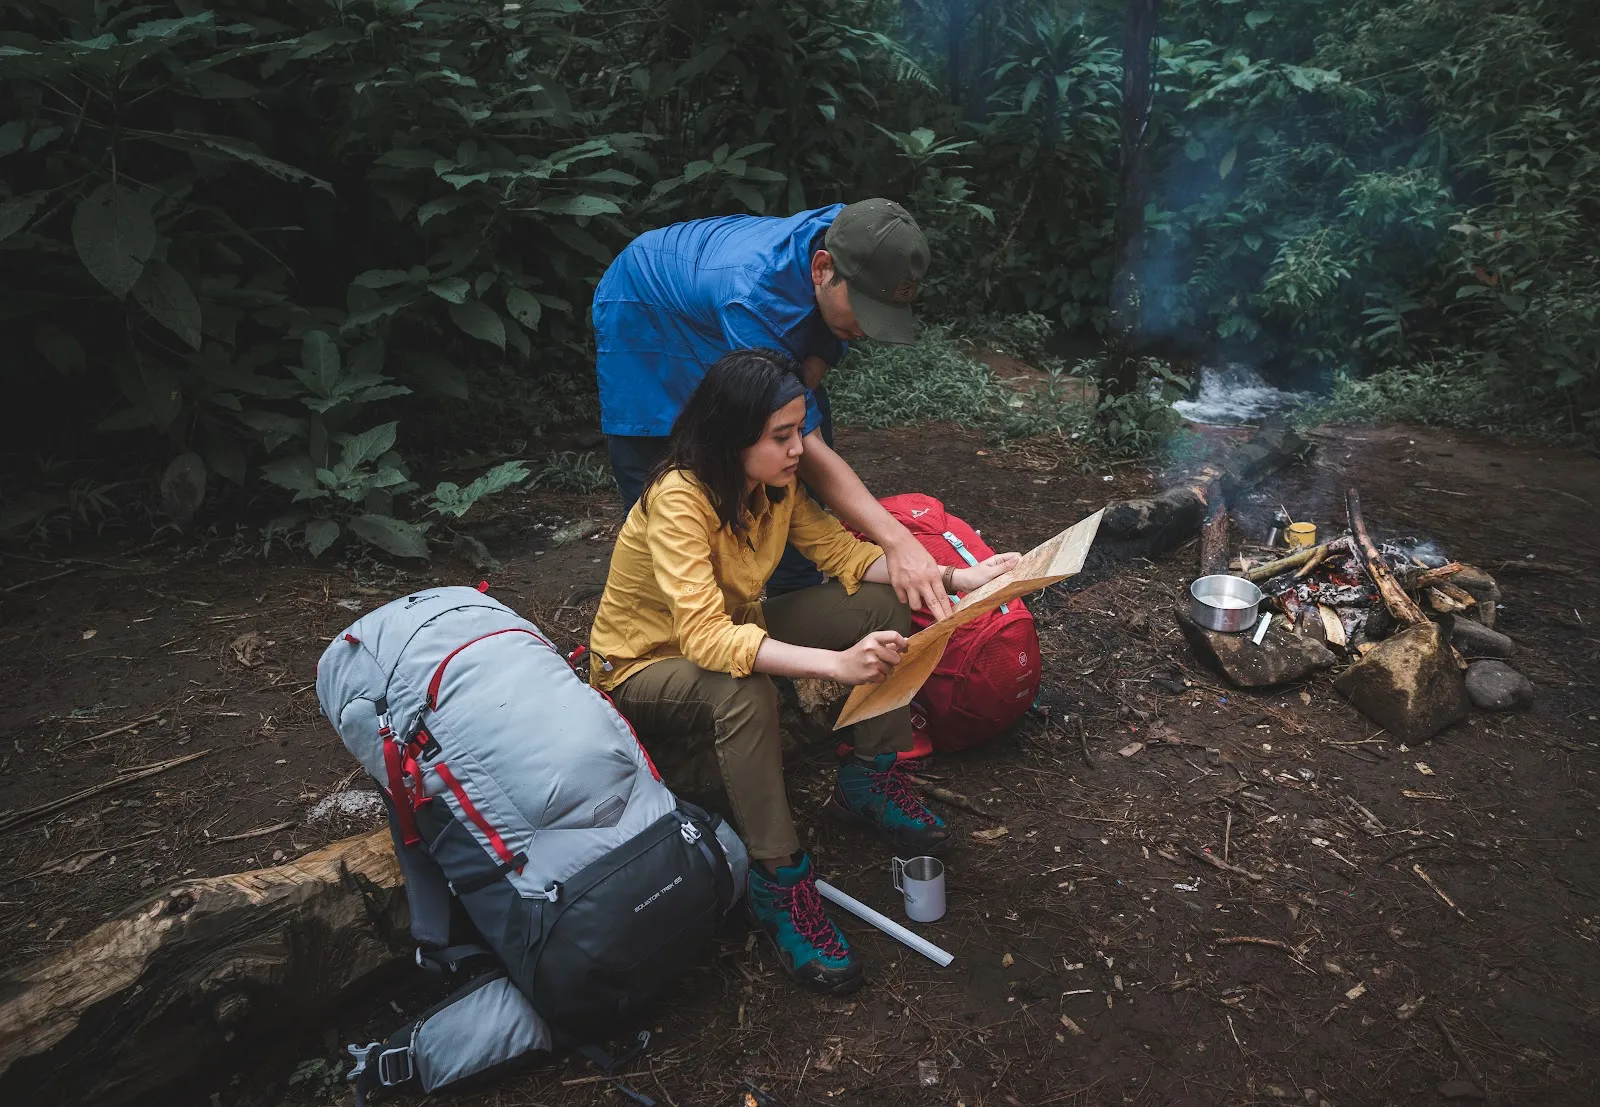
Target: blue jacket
{"points": [[680, 297]]}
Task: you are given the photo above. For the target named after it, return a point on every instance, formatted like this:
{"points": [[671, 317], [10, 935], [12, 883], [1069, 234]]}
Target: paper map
{"points": [[1042, 566]]}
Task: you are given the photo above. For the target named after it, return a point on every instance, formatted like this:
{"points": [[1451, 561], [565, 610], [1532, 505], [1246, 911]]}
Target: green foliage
{"points": [[454, 501], [322, 1079], [281, 245], [584, 473], [938, 381]]}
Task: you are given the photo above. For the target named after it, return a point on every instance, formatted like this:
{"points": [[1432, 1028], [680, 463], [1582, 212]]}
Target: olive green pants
{"points": [[676, 699]]}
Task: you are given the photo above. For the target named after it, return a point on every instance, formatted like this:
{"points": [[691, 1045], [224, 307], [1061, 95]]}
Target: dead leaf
{"points": [[1305, 698], [1422, 767], [88, 634], [1007, 961], [1408, 1010], [1072, 1027], [991, 834], [247, 649], [1357, 992], [1131, 748]]}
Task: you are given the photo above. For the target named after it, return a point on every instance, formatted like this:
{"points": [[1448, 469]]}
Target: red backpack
{"points": [[989, 674]]}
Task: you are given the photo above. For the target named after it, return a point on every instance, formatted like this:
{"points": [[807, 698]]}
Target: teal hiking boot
{"points": [[879, 796], [788, 908]]}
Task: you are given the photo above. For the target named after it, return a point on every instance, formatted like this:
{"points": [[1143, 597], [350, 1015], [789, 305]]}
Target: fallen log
{"points": [[1400, 605], [200, 975], [1148, 526]]}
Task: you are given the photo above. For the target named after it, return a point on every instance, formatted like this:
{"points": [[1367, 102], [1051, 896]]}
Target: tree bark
{"points": [[1121, 375], [198, 974]]}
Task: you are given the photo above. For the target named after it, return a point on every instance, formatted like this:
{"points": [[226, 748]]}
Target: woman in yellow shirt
{"points": [[685, 645]]}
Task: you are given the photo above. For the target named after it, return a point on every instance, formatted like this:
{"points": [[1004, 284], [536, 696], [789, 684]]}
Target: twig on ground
{"points": [[1227, 835], [259, 832], [18, 818], [1461, 1054], [954, 799], [1438, 891], [124, 728], [1219, 863], [1083, 743], [1415, 847]]}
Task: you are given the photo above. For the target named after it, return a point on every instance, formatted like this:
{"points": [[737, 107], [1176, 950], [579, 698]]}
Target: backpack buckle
{"points": [[359, 1055], [690, 832], [395, 1066]]}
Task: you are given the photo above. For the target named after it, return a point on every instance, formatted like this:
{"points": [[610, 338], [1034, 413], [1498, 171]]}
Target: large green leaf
{"points": [[183, 487], [114, 235], [368, 445], [162, 291], [319, 361], [523, 307], [15, 213], [237, 149], [578, 205], [480, 321], [12, 136], [320, 534], [391, 535], [452, 289], [296, 473]]}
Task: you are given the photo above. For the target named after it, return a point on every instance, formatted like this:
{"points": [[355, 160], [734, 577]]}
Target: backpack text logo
{"points": [[677, 880]]}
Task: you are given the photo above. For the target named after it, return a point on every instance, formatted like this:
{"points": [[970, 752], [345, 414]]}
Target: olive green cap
{"points": [[881, 253]]}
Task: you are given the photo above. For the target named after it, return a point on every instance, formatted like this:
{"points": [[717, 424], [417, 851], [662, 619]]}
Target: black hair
{"points": [[727, 414]]}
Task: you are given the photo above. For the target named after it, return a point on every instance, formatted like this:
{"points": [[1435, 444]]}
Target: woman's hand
{"points": [[869, 660], [976, 576]]}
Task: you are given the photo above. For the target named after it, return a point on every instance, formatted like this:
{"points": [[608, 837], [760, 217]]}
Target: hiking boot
{"points": [[880, 796], [788, 908]]}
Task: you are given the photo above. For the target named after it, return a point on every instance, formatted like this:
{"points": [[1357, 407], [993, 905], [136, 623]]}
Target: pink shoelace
{"points": [[804, 904], [893, 785]]}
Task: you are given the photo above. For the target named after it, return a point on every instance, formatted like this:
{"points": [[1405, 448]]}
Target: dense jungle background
{"points": [[277, 260]]}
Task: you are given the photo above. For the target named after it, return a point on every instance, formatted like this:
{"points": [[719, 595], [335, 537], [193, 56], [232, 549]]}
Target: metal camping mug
{"points": [[921, 881]]}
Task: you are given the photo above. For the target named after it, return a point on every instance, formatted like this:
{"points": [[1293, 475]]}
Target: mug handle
{"points": [[897, 870]]}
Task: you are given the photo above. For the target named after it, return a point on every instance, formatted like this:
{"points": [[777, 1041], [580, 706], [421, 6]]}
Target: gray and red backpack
{"points": [[518, 792]]}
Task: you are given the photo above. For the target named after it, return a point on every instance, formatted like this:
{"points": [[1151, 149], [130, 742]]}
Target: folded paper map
{"points": [[1042, 566]]}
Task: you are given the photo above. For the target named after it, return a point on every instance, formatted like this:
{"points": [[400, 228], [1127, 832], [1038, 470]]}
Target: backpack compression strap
{"points": [[966, 555], [487, 1024]]}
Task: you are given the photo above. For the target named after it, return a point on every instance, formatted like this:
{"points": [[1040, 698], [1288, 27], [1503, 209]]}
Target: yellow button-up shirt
{"points": [[683, 585]]}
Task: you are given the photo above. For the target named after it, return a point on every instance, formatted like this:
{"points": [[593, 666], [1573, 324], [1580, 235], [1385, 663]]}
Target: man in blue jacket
{"points": [[678, 298]]}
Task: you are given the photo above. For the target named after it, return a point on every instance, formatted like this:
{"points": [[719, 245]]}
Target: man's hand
{"points": [[869, 660], [917, 578]]}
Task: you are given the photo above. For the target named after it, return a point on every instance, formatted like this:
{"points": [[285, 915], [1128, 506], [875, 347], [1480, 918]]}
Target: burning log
{"points": [[199, 974], [1284, 564], [1400, 605], [1332, 627], [1443, 572], [1153, 525], [1214, 534], [1316, 559], [1447, 603]]}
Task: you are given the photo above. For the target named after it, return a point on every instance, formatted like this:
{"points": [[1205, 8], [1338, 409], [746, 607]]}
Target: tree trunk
{"points": [[199, 975], [1214, 532], [1121, 375]]}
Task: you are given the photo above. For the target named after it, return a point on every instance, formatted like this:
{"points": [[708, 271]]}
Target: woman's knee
{"points": [[745, 701], [884, 608]]}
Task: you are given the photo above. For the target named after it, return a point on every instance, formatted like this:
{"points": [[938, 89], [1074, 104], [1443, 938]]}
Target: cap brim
{"points": [[884, 322]]}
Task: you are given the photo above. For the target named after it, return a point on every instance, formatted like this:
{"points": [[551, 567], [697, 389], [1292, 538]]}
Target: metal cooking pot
{"points": [[1224, 603]]}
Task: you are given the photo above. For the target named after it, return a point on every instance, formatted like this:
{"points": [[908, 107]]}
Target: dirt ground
{"points": [[1097, 959]]}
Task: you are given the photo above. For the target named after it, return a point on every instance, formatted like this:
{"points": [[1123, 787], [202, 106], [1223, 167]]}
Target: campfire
{"points": [[1415, 628]]}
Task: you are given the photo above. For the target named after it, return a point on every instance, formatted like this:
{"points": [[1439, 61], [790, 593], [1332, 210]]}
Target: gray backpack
{"points": [[517, 791]]}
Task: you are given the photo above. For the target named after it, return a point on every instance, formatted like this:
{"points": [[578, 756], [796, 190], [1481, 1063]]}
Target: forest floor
{"points": [[1093, 953]]}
